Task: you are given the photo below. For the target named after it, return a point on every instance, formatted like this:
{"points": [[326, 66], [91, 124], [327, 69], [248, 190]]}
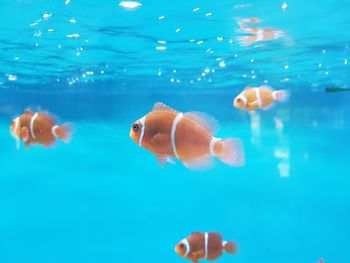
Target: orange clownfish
{"points": [[258, 98], [206, 245], [38, 128], [185, 136]]}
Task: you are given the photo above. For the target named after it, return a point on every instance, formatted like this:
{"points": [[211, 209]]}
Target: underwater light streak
{"points": [[47, 15], [284, 6], [160, 48], [130, 4], [73, 35], [11, 77]]}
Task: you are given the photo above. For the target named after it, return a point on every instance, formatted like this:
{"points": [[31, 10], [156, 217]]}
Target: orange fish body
{"points": [[253, 98], [38, 128], [256, 34], [185, 136], [208, 245]]}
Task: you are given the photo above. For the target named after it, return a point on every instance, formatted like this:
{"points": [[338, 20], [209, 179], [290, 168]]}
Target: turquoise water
{"points": [[101, 198]]}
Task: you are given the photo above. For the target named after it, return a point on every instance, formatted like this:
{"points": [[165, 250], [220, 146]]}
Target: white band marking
{"points": [[143, 126], [260, 35], [258, 98], [206, 241], [213, 141], [32, 125], [173, 130], [53, 130], [16, 126], [224, 243], [185, 241]]}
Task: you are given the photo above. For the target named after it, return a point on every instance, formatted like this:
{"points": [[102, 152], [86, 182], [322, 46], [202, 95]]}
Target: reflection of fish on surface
{"points": [[208, 245], [38, 128], [252, 98], [256, 34], [185, 136]]}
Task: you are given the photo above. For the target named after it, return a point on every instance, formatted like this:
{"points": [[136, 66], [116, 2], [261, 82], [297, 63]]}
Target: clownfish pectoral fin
{"points": [[203, 119], [162, 160], [160, 106], [253, 104], [24, 134], [198, 253], [162, 143]]}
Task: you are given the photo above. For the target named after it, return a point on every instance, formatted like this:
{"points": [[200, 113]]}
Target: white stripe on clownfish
{"points": [[206, 242], [258, 98], [32, 120], [16, 126], [173, 131], [143, 126], [14, 133], [188, 249], [53, 130], [213, 141], [224, 243], [260, 35]]}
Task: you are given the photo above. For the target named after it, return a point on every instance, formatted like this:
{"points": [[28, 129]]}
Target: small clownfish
{"points": [[206, 245], [252, 98], [256, 34], [185, 136], [260, 34], [38, 128]]}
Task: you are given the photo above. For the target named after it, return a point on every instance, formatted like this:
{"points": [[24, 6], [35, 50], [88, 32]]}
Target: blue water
{"points": [[101, 198]]}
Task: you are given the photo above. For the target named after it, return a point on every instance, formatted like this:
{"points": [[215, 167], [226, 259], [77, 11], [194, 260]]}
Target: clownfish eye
{"points": [[135, 127], [182, 245]]}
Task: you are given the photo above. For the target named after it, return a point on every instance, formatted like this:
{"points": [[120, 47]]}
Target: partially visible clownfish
{"points": [[252, 98], [185, 136], [256, 34], [206, 245], [321, 260], [38, 128]]}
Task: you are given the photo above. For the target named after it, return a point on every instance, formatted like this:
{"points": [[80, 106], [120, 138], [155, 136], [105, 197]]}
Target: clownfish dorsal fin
{"points": [[160, 106], [28, 111], [203, 119]]}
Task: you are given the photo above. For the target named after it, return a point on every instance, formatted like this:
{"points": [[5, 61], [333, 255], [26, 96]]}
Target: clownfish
{"points": [[252, 98], [185, 136], [38, 128], [256, 34], [208, 245]]}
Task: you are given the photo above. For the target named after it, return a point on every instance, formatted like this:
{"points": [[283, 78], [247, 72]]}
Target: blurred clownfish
{"points": [[38, 128], [206, 245], [256, 34], [262, 97], [321, 260], [185, 136]]}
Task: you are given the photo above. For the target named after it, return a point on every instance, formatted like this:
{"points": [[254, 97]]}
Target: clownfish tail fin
{"points": [[64, 132], [230, 247], [280, 95], [229, 151]]}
